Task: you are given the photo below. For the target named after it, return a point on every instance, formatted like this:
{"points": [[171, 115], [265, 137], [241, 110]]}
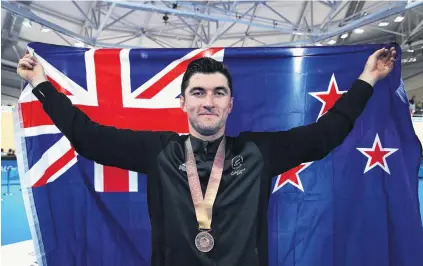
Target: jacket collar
{"points": [[203, 146]]}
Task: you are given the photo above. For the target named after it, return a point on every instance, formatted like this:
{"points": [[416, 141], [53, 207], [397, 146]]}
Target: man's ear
{"points": [[231, 104], [182, 103]]}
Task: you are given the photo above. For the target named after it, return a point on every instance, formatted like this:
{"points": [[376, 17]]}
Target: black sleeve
{"points": [[106, 145], [284, 150]]}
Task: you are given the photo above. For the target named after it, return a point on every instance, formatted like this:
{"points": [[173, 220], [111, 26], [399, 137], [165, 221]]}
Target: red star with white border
{"points": [[329, 97], [377, 155], [291, 176]]}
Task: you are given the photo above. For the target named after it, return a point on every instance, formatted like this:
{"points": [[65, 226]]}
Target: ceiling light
{"points": [[383, 24], [358, 31], [44, 29], [79, 44], [331, 42], [318, 44], [399, 19], [409, 60], [410, 50], [27, 23], [345, 35]]}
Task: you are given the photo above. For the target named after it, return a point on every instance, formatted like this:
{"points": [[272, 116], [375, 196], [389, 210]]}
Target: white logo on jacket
{"points": [[183, 167], [236, 163]]}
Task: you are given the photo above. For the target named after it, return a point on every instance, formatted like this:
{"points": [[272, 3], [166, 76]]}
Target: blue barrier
{"points": [[421, 169], [9, 171], [9, 174], [15, 227]]}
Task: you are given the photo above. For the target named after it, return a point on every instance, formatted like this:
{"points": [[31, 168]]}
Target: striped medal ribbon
{"points": [[204, 241]]}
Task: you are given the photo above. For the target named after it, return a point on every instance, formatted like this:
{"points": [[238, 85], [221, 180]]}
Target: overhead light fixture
{"points": [[399, 19], [298, 33], [318, 44], [79, 44], [410, 50], [344, 36], [383, 24], [409, 60], [331, 42], [44, 29], [358, 31], [27, 23]]}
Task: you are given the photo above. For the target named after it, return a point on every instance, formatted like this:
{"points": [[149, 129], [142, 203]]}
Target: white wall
{"points": [[9, 95], [412, 74], [418, 127], [417, 92], [7, 135]]}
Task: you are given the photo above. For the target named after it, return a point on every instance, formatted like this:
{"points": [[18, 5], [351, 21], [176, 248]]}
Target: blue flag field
{"points": [[357, 206]]}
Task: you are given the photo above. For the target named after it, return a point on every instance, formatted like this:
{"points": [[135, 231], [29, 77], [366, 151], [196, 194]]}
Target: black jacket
{"points": [[239, 223]]}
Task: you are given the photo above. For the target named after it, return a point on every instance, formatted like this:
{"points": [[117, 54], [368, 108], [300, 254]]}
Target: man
{"points": [[233, 174], [412, 103]]}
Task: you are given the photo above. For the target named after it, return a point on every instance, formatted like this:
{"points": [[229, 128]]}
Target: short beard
{"points": [[207, 130]]}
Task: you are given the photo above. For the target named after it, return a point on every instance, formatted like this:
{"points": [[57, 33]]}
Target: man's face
{"points": [[207, 102]]}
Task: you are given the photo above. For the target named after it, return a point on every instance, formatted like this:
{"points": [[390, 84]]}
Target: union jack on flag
{"points": [[111, 90]]}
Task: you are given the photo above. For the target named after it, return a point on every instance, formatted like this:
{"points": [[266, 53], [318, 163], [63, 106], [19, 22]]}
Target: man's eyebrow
{"points": [[196, 88], [216, 88]]}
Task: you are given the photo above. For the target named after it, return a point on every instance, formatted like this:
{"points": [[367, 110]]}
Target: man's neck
{"points": [[207, 138]]}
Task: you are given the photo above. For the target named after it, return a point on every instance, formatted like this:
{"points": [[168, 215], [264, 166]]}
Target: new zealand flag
{"points": [[357, 206]]}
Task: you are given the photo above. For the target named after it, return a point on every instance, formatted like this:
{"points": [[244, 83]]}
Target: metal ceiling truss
{"points": [[354, 11], [198, 18], [393, 9], [414, 31]]}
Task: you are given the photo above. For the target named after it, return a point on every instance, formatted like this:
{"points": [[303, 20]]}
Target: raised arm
{"points": [[107, 145], [284, 150]]}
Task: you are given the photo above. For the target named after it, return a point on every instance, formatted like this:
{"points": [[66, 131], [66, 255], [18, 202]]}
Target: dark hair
{"points": [[205, 65]]}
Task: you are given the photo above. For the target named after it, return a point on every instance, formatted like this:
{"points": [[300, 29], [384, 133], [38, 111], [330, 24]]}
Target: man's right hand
{"points": [[31, 70]]}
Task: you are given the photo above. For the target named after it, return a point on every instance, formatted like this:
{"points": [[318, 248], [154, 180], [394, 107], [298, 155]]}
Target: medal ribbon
{"points": [[204, 206]]}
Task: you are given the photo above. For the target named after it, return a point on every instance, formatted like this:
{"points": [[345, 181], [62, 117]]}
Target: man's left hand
{"points": [[379, 65]]}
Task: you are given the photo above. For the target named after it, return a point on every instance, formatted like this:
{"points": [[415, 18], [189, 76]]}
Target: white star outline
{"points": [[369, 158], [327, 92], [299, 185]]}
